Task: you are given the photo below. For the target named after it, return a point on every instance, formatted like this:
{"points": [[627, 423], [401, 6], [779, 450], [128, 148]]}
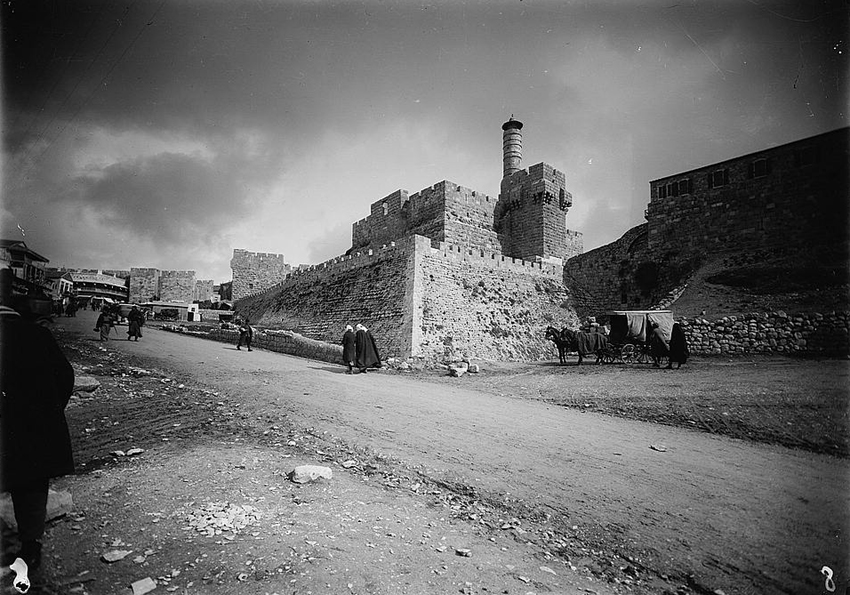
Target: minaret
{"points": [[511, 147]]}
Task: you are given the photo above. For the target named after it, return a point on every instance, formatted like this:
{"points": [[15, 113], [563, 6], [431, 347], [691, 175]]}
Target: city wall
{"points": [[255, 271], [176, 286], [144, 284], [423, 299]]}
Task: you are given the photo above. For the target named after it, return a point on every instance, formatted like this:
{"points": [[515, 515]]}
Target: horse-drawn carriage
{"points": [[626, 342], [628, 339]]}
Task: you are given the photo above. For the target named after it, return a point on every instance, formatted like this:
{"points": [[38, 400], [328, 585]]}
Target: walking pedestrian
{"points": [[349, 348], [246, 334], [658, 346], [36, 382], [367, 355], [135, 320], [104, 323], [678, 347]]}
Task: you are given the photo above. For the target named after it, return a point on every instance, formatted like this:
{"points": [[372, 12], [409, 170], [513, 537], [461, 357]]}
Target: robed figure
{"points": [[366, 350], [349, 348]]}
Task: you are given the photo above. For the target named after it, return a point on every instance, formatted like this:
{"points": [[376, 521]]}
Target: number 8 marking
{"points": [[828, 584]]}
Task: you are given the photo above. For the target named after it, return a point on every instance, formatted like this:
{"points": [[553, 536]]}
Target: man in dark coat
{"points": [[135, 320], [366, 350], [678, 347], [246, 334], [658, 346], [349, 348], [35, 445]]}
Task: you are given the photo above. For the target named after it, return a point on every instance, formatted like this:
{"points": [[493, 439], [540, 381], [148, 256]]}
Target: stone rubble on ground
{"points": [[216, 517]]}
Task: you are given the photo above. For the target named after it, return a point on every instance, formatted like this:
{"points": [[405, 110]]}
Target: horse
{"points": [[555, 336], [580, 342]]}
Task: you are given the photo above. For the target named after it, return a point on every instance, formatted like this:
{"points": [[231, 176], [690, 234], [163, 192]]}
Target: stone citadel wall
{"points": [[144, 284], [424, 299], [255, 271], [176, 286], [445, 212]]}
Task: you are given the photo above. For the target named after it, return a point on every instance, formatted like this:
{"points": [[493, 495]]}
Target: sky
{"points": [[167, 133]]}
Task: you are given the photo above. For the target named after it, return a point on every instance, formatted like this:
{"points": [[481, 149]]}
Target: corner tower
{"points": [[530, 215]]}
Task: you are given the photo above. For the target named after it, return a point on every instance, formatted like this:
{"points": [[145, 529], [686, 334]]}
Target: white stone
{"points": [[307, 473], [85, 384]]}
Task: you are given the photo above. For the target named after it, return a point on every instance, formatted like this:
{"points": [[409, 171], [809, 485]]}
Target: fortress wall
{"points": [[469, 218], [471, 303], [574, 244], [176, 286], [602, 279], [144, 284], [317, 302], [427, 299], [203, 290], [254, 271], [444, 212]]}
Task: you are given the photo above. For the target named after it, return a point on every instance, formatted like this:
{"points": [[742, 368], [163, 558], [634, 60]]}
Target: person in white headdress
{"points": [[367, 355]]}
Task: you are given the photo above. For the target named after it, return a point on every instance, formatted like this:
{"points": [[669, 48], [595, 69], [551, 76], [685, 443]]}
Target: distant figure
{"points": [[349, 348], [246, 334], [678, 347], [366, 350], [71, 308], [658, 346], [36, 382], [104, 323], [135, 320]]}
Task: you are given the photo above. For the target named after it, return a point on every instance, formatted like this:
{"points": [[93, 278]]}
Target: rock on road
{"points": [[741, 517]]}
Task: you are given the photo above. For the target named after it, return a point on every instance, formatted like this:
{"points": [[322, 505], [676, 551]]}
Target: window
{"points": [[718, 178], [759, 168], [662, 191], [685, 186]]}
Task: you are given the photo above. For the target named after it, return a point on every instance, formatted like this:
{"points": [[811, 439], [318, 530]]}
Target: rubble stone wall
{"points": [[773, 332]]}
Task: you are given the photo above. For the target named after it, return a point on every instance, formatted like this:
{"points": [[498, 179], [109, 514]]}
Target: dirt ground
{"points": [[520, 479]]}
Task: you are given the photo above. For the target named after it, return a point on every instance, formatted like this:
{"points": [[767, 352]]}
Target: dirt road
{"points": [[735, 516]]}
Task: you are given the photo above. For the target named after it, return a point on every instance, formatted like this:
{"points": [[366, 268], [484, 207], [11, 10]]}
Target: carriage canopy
{"points": [[634, 325]]}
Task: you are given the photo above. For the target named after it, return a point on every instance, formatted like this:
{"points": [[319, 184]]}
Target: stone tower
{"points": [[530, 215]]}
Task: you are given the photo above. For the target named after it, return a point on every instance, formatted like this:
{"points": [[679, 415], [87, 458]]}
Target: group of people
{"points": [[359, 349], [109, 316]]}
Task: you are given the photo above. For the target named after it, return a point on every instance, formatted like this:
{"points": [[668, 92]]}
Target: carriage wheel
{"points": [[627, 354]]}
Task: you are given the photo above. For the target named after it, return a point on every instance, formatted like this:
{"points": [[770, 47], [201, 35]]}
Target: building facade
{"points": [[791, 200]]}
